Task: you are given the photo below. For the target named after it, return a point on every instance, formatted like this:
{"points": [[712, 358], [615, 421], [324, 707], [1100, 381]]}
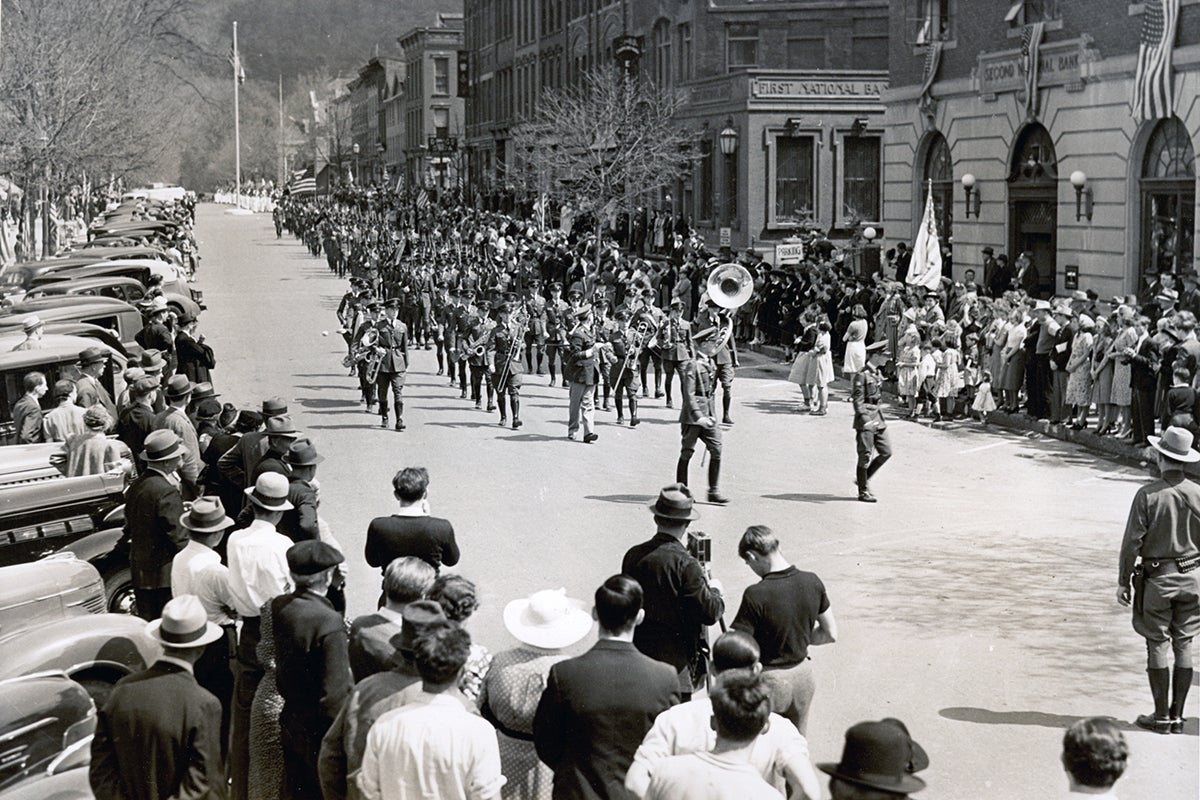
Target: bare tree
{"points": [[601, 145]]}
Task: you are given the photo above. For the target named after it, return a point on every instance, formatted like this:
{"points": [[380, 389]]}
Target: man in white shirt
{"points": [[741, 706], [258, 572], [197, 570], [433, 747], [779, 752]]}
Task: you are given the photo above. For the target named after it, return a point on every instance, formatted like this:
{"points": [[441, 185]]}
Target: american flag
{"points": [[235, 61], [1152, 96], [1031, 44], [422, 199]]}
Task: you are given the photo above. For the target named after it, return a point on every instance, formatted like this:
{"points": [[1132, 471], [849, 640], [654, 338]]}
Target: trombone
{"points": [[516, 333]]}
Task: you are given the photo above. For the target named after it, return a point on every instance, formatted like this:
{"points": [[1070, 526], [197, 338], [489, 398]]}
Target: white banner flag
{"points": [[925, 269]]}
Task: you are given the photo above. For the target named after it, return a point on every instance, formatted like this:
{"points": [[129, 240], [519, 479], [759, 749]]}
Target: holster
{"points": [[1139, 589]]}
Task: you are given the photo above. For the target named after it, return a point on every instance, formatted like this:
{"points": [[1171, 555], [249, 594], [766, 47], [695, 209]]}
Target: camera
{"points": [[699, 545]]}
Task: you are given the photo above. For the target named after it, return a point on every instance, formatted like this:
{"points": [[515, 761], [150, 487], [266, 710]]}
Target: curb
{"points": [[1013, 422]]}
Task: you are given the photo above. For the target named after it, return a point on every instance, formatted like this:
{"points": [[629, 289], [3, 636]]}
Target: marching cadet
{"points": [[476, 353], [653, 316], [623, 373], [579, 367], [697, 417], [504, 352], [437, 313], [393, 348], [535, 331], [461, 322], [673, 339], [604, 329], [370, 318], [558, 322], [726, 357]]}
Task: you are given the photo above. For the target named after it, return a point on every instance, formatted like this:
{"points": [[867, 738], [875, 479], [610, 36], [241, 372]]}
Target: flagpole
{"points": [[237, 125], [282, 155]]}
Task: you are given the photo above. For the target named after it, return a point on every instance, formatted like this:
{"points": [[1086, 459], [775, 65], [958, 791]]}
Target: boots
{"points": [[725, 400], [714, 479], [1160, 684], [633, 417], [681, 469], [515, 403], [399, 416], [1181, 681]]}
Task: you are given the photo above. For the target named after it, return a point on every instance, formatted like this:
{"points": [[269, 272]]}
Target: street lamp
{"points": [[355, 150], [1082, 190], [968, 184], [728, 141]]}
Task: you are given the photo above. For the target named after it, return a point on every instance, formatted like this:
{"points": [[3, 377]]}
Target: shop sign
{"points": [[1059, 64], [816, 89], [789, 253], [726, 236]]}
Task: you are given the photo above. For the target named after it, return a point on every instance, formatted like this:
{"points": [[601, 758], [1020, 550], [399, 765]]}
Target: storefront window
{"points": [[860, 187], [1168, 200], [793, 179]]}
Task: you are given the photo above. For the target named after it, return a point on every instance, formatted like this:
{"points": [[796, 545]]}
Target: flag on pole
{"points": [[1031, 44], [925, 268], [235, 61], [302, 183], [422, 199], [1153, 96]]}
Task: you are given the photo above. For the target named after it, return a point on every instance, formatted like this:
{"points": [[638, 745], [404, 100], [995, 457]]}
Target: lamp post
{"points": [[45, 142], [971, 193], [355, 149], [1083, 195], [728, 140]]}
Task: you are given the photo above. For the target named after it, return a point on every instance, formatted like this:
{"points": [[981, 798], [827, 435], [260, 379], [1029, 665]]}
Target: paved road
{"points": [[975, 600]]}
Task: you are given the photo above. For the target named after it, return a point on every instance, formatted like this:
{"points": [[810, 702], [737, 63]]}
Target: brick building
{"points": [[432, 107], [799, 84], [958, 107], [369, 93]]}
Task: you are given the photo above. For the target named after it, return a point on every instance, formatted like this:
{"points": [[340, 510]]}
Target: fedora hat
{"points": [[207, 515], [203, 391], [274, 407], [179, 386], [282, 426], [93, 355], [675, 502], [877, 755], [161, 445], [183, 624], [548, 619], [303, 453], [1175, 444], [270, 491], [152, 360], [32, 324]]}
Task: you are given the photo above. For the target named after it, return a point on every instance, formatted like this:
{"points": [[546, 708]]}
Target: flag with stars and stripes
{"points": [[1153, 97], [422, 199], [1031, 44]]}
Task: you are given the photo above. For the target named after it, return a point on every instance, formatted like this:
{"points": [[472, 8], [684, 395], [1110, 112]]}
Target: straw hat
{"points": [[548, 619]]}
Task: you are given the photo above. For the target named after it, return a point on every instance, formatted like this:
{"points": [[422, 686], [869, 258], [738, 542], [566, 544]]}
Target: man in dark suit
{"points": [[238, 463], [405, 581], [195, 357], [903, 260], [312, 665], [136, 419], [680, 599], [411, 531], [1144, 360], [301, 521], [393, 347], [1027, 275], [158, 735], [589, 722], [26, 413], [1002, 278], [153, 506], [93, 362]]}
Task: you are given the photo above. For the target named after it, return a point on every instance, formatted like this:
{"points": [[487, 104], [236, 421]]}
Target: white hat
{"points": [[183, 624], [548, 619], [1175, 444], [270, 491]]}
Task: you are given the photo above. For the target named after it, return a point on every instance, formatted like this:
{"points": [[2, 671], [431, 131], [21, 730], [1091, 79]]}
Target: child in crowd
{"points": [[947, 380], [1180, 402], [926, 373], [984, 403], [908, 368], [970, 370]]}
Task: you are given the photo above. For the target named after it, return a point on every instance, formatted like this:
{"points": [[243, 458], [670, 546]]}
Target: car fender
{"points": [[115, 644], [102, 544]]}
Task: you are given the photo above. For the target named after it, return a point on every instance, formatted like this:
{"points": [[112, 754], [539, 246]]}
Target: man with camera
{"points": [[681, 601]]}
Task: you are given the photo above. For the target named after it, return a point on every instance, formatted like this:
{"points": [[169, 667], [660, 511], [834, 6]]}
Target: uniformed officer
{"points": [[535, 332], [725, 359], [697, 417], [393, 347], [1164, 532], [579, 368], [369, 319], [558, 322], [604, 329], [673, 338], [504, 353], [624, 373], [870, 428], [476, 351], [653, 316]]}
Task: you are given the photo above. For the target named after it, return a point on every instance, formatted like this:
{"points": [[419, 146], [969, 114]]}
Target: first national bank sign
{"points": [[816, 89]]}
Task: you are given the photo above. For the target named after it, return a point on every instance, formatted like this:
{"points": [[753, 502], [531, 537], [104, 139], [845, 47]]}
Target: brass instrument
{"points": [[362, 351], [729, 286], [516, 332], [476, 347]]}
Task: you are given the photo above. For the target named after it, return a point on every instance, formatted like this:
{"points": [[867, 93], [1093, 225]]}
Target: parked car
{"points": [[47, 722], [116, 287], [121, 318], [52, 618], [56, 358], [19, 276], [175, 287]]}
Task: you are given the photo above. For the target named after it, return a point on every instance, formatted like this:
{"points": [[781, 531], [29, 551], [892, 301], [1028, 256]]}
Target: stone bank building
{"points": [[1018, 115]]}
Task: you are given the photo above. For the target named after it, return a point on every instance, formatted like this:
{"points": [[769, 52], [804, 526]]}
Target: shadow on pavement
{"points": [[629, 499], [1041, 719], [464, 424], [534, 437], [810, 497], [792, 408], [324, 402]]}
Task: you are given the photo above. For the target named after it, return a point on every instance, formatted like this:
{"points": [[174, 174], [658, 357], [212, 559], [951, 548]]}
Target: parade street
{"points": [[975, 600]]}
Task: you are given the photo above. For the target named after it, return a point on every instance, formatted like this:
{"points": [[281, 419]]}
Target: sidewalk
{"points": [[1015, 422]]}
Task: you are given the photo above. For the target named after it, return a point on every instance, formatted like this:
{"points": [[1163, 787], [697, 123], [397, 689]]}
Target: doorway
{"points": [[1033, 205]]}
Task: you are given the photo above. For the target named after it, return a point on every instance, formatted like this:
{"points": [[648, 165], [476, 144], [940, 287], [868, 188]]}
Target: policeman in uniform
{"points": [[1164, 532], [393, 347], [475, 345], [623, 373], [870, 428], [505, 342], [558, 323], [726, 358], [697, 417], [673, 338]]}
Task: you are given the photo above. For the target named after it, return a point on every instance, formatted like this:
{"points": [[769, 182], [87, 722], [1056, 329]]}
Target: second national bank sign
{"points": [[817, 88]]}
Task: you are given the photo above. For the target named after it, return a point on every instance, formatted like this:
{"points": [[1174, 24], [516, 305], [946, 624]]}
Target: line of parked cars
{"points": [[67, 632]]}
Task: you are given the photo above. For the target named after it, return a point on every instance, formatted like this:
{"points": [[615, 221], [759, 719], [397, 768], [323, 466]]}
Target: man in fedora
{"points": [[301, 460], [697, 413], [258, 572], [878, 760], [280, 434], [1163, 531], [680, 599], [33, 329], [136, 420], [197, 570], [153, 505], [157, 735], [92, 364], [238, 463], [174, 418], [373, 696], [156, 333], [195, 356], [154, 364], [312, 664]]}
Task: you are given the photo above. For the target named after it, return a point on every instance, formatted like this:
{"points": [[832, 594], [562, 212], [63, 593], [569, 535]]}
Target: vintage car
{"points": [[175, 288], [117, 316], [47, 722], [19, 276]]}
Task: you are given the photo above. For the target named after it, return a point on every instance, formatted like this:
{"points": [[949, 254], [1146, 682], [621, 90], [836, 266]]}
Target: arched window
{"points": [[939, 175], [1168, 189]]}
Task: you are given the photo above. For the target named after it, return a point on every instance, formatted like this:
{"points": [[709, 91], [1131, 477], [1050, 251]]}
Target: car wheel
{"points": [[118, 588], [98, 684]]}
